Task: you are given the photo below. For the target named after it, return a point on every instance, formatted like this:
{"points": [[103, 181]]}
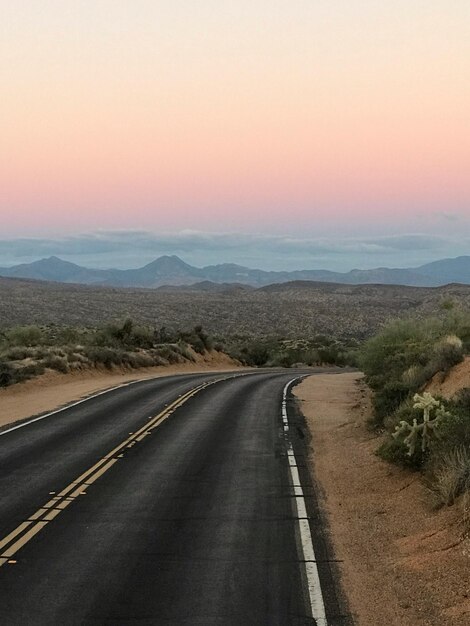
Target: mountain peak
{"points": [[169, 266], [53, 261]]}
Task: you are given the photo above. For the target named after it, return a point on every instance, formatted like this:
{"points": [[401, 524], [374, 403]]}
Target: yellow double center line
{"points": [[13, 542]]}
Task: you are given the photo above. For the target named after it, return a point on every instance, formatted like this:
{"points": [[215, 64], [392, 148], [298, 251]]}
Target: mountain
{"points": [[56, 270], [166, 270], [448, 270], [172, 271]]}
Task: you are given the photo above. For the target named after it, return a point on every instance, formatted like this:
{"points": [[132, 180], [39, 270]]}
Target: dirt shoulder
{"points": [[53, 390], [402, 564], [450, 383]]}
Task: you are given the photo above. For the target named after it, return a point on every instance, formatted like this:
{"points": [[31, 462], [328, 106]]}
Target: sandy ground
{"points": [[447, 385], [403, 564], [53, 390]]}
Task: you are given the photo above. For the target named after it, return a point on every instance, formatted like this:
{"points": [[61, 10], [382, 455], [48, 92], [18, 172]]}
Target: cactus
{"points": [[425, 429]]}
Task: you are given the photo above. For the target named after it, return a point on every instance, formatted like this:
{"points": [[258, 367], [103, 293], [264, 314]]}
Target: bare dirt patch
{"points": [[403, 564], [450, 383], [53, 390]]}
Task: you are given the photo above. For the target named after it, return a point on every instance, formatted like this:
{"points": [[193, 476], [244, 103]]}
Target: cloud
{"points": [[449, 217], [133, 248]]}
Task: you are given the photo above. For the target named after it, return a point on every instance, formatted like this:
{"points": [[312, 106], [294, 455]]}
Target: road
{"points": [[170, 501]]}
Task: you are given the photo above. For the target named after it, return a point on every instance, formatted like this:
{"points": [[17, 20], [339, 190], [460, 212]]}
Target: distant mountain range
{"points": [[172, 271]]}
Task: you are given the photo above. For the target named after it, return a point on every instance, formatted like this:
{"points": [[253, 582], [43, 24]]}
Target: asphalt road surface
{"points": [[170, 501]]}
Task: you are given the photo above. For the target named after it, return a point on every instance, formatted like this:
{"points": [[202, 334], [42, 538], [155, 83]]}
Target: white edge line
{"points": [[96, 395], [317, 603]]}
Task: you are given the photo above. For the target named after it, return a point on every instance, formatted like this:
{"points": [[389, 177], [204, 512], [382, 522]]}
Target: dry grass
{"points": [[451, 477]]}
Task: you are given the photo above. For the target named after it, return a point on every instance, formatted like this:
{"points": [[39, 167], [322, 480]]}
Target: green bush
{"points": [[395, 451], [388, 398], [67, 336], [399, 360], [24, 336], [256, 354], [104, 356], [454, 431]]}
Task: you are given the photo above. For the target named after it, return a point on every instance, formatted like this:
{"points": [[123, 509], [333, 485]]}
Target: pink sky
{"points": [[239, 115]]}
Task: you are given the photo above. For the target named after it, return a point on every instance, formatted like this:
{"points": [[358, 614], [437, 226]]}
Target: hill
{"points": [[172, 271], [298, 309]]}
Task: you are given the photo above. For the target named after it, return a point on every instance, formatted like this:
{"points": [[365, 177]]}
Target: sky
{"points": [[301, 133]]}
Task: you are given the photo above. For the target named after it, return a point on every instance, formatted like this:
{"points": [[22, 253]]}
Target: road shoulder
{"points": [[400, 562]]}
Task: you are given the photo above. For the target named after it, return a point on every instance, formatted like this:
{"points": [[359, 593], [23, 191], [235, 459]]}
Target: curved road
{"points": [[170, 501]]}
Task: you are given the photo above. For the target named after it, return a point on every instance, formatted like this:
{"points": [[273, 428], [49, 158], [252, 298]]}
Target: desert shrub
{"points": [[186, 353], [11, 375], [454, 430], [256, 354], [204, 337], [401, 345], [158, 360], [24, 336], [141, 337], [282, 359], [311, 357], [76, 357], [351, 357], [414, 377], [135, 360], [395, 451], [404, 412], [19, 353], [462, 400], [198, 345], [125, 336], [169, 354], [197, 338], [387, 400], [56, 362], [450, 476], [446, 353], [7, 374], [331, 355], [29, 371], [104, 356], [67, 336]]}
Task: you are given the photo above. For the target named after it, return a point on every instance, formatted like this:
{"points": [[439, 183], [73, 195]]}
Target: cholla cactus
{"points": [[424, 429]]}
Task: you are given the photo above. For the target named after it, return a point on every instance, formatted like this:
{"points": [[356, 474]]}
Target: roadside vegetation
{"points": [[423, 431], [28, 351], [282, 352]]}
